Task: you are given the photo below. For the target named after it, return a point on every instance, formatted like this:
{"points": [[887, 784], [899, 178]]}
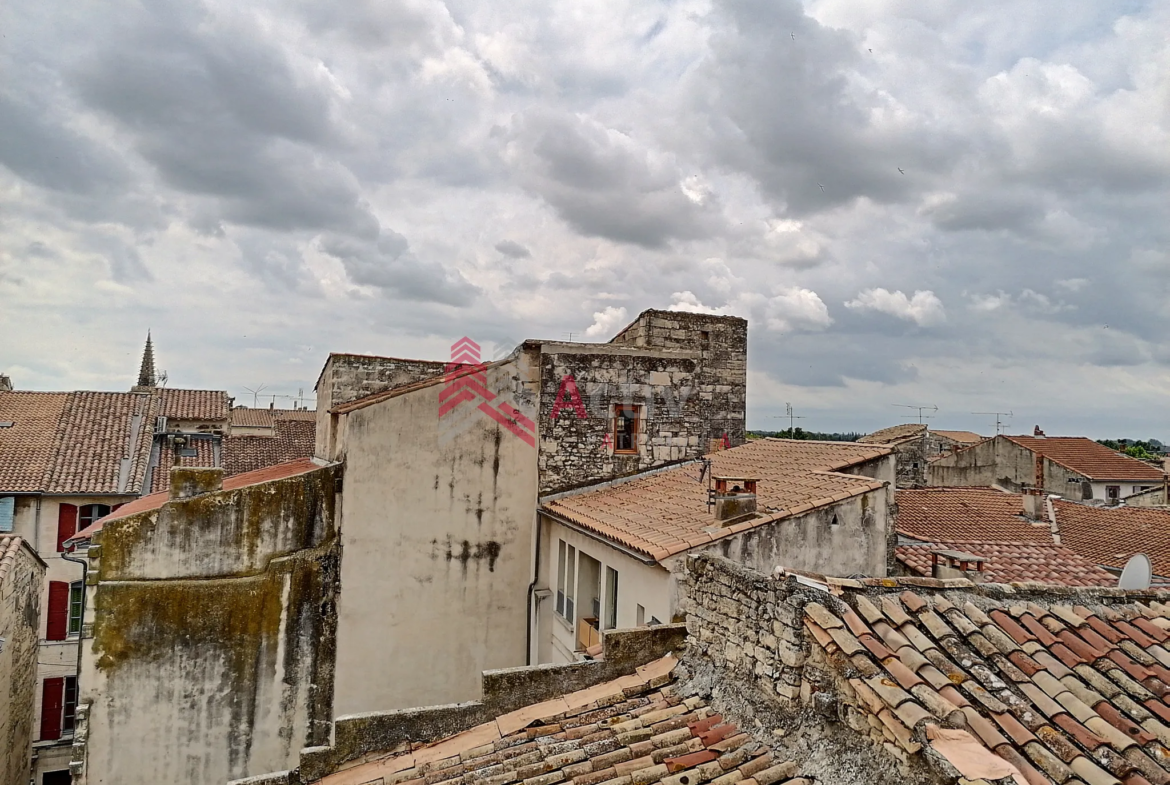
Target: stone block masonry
{"points": [[685, 373]]}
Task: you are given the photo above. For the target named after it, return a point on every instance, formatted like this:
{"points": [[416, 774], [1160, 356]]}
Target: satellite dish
{"points": [[1136, 574]]}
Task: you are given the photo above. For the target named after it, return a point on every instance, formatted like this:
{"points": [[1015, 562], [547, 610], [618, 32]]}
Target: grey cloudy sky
{"points": [[913, 201]]}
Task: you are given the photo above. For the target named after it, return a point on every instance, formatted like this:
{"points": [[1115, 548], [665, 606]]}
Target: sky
{"points": [[913, 202]]}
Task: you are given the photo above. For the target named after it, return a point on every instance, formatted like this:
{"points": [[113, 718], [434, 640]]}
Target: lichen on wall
{"points": [[213, 636]]}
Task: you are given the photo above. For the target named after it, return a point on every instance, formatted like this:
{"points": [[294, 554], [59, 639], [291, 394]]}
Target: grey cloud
{"points": [[985, 210], [605, 184], [388, 264], [513, 249], [784, 110], [37, 143]]}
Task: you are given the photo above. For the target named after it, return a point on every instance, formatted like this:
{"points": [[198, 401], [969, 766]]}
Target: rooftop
{"points": [[212, 405], [635, 729], [1061, 686], [664, 512], [1106, 536], [1087, 457], [963, 437], [962, 514], [893, 434], [1012, 562]]}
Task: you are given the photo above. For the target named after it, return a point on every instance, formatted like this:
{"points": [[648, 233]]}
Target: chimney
{"points": [[1039, 434], [5, 383], [188, 481], [1034, 509], [1038, 473], [957, 564], [735, 499]]}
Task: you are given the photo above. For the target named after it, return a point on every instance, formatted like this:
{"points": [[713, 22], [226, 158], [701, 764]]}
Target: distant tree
{"points": [[1144, 450], [802, 434]]}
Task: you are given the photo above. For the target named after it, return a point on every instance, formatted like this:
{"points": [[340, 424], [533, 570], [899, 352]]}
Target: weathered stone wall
{"points": [[21, 573], [687, 372], [211, 634], [1002, 462], [746, 641]]}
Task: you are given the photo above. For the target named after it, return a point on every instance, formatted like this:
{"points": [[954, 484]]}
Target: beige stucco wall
{"points": [[20, 613], [437, 551]]}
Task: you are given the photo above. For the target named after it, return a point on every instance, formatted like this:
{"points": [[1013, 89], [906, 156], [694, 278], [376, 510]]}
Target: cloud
{"points": [[513, 250], [924, 308], [606, 183], [388, 263], [607, 322], [788, 308]]}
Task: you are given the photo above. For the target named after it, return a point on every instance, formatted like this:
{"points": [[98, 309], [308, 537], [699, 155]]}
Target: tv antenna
{"points": [[789, 412], [999, 424], [256, 395], [920, 409]]}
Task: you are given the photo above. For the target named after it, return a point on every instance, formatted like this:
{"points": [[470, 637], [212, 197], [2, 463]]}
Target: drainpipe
{"points": [[37, 526], [531, 590], [81, 629]]}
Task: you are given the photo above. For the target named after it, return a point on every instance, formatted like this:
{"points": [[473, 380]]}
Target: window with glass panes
{"points": [[76, 593], [566, 579]]}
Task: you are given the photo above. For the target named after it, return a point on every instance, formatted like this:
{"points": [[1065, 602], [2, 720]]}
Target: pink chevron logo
{"points": [[467, 383]]}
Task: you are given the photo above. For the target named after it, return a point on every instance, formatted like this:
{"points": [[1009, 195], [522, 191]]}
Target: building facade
{"points": [[1072, 467], [21, 574], [610, 555]]}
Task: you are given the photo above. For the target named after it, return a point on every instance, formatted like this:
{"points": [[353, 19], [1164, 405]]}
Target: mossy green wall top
{"points": [[222, 534]]}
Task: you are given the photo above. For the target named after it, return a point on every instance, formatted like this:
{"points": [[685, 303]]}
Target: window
{"points": [[611, 589], [625, 428], [76, 594], [69, 709], [62, 777], [640, 616], [58, 706], [1112, 492], [89, 513], [7, 512], [566, 579]]}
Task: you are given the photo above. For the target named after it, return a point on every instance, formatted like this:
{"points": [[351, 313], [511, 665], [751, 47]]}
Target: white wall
{"points": [[436, 552], [648, 585]]}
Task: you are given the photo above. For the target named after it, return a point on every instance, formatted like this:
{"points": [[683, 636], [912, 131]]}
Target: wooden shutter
{"points": [[52, 694], [66, 524], [58, 615]]}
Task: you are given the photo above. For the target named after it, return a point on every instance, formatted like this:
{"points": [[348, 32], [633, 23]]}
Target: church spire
{"points": [[146, 375]]}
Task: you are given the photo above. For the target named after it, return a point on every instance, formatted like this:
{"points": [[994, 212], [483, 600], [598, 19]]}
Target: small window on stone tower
{"points": [[625, 428]]}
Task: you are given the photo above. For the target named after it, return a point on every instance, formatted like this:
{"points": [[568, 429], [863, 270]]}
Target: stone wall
{"points": [[210, 632], [1002, 462], [21, 573], [687, 373]]}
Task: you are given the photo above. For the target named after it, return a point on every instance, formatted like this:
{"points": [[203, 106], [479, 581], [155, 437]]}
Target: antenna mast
{"points": [[998, 423], [790, 413], [920, 409]]}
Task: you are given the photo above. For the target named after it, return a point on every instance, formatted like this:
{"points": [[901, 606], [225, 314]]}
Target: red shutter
{"points": [[58, 615], [66, 524], [52, 692]]}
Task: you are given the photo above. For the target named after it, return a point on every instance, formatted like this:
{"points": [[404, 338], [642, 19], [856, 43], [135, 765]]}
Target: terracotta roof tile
{"points": [[894, 434], [1110, 535], [194, 404], [688, 743], [1085, 456], [1014, 562], [665, 512], [963, 437], [957, 514], [26, 446], [1084, 723]]}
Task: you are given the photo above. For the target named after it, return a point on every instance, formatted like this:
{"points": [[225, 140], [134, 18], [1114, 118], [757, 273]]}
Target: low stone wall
{"points": [[504, 691]]}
